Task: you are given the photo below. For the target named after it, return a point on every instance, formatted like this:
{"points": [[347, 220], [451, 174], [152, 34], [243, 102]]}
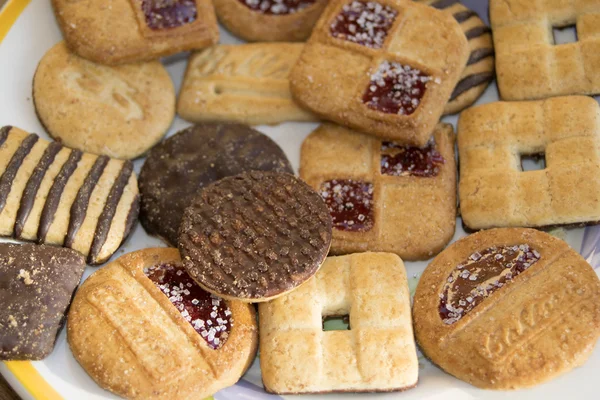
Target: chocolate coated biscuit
{"points": [[36, 286], [180, 166], [255, 236]]}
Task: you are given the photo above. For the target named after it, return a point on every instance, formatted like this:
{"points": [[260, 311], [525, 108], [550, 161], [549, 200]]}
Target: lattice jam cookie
{"points": [[532, 60], [507, 309], [501, 185], [384, 196], [384, 67], [244, 83], [270, 20], [376, 354], [126, 31], [142, 328]]}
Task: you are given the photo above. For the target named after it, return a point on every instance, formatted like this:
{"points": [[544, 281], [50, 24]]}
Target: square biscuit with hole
{"points": [[246, 83], [495, 143], [532, 61], [385, 67], [384, 196], [376, 353], [127, 31]]}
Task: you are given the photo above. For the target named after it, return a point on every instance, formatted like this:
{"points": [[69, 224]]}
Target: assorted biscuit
{"points": [[377, 184]]}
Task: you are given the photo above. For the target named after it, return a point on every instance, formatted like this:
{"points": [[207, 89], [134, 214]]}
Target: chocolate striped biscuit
{"points": [[479, 72], [52, 194]]}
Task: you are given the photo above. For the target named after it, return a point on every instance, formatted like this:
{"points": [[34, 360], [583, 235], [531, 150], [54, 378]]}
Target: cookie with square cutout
{"points": [[384, 196], [384, 67]]}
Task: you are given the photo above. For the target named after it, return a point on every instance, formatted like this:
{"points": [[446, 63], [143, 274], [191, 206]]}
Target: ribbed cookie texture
{"points": [[52, 194]]}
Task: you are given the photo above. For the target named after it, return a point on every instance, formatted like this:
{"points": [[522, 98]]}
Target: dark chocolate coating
{"points": [[255, 235], [178, 168], [36, 286]]}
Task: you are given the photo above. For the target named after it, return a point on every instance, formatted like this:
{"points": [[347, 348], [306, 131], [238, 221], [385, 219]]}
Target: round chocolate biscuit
{"points": [[178, 168], [255, 236], [508, 308]]}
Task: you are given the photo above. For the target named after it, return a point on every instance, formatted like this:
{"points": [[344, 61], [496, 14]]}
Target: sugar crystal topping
{"points": [[165, 14], [208, 314], [400, 160], [277, 7], [350, 204], [480, 275], [364, 22]]}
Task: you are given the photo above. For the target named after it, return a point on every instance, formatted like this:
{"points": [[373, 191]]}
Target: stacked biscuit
{"points": [[378, 185]]}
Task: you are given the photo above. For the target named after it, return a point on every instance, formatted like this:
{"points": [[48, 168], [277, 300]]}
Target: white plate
{"points": [[36, 31]]}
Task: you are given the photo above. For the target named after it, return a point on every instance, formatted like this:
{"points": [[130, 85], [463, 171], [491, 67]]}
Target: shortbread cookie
{"points": [[529, 62], [508, 309], [383, 196], [55, 195], [270, 20], [479, 71], [115, 111], [143, 329], [492, 140], [385, 67], [125, 31], [246, 83], [178, 168], [36, 286], [376, 354], [255, 236]]}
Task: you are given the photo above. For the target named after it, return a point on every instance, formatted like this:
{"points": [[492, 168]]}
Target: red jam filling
{"points": [[277, 7], [396, 89], [364, 22], [399, 160], [481, 275], [350, 204], [209, 315], [165, 14]]}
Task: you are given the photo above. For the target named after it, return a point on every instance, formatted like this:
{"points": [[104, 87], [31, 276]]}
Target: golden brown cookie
{"points": [[270, 20], [143, 329], [118, 111], [508, 309], [376, 354], [384, 196], [384, 67], [245, 83], [125, 31]]}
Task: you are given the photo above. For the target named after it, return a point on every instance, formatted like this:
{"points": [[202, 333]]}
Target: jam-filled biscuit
{"points": [[531, 62], [479, 72], [245, 83], [384, 196], [255, 236], [508, 308], [117, 111], [55, 195], [36, 286], [496, 142], [385, 67], [143, 329], [270, 20], [125, 31], [376, 354], [178, 168]]}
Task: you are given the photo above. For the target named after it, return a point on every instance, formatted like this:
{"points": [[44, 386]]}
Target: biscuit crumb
{"points": [[25, 276], [12, 321]]}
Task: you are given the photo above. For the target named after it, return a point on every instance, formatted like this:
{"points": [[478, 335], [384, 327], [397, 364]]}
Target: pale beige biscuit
{"points": [[278, 24], [125, 31], [245, 83], [55, 195], [496, 192], [529, 63], [377, 353], [410, 215], [132, 340], [117, 111], [392, 79], [509, 329]]}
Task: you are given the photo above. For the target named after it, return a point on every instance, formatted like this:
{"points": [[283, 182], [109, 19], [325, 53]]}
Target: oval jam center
{"points": [[168, 14], [208, 314], [277, 7], [480, 275]]}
